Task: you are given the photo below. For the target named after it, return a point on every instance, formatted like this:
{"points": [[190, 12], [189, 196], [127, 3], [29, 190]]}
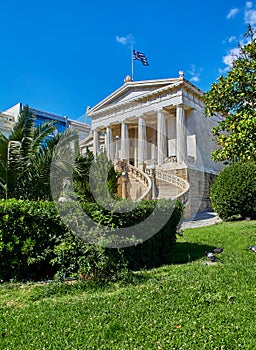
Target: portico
{"points": [[148, 138]]}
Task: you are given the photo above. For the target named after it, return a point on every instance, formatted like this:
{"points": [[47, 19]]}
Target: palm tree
{"points": [[95, 178], [23, 156], [27, 170]]}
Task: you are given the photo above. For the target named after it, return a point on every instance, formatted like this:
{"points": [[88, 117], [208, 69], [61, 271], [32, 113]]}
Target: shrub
{"points": [[75, 255], [234, 191], [36, 244], [158, 249], [153, 243], [28, 234]]}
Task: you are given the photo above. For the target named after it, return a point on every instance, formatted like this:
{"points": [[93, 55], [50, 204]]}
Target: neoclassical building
{"points": [[157, 132]]}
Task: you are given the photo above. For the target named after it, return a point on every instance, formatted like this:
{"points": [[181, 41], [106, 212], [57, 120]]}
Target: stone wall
{"points": [[200, 183], [199, 194]]}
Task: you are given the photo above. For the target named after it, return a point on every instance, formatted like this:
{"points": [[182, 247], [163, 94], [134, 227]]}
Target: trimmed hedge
{"points": [[233, 193], [93, 260], [36, 244], [163, 217], [28, 235]]}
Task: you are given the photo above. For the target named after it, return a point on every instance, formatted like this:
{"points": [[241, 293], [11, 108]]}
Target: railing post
{"points": [[153, 176]]}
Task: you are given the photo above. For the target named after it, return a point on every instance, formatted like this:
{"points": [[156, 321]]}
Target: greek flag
{"points": [[141, 57]]}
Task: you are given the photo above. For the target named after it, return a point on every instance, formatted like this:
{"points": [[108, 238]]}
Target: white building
{"points": [[81, 128], [6, 123], [9, 117], [158, 133]]}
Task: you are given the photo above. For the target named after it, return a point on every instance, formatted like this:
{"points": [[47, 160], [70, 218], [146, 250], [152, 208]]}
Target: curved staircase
{"points": [[140, 184], [155, 184], [171, 186]]}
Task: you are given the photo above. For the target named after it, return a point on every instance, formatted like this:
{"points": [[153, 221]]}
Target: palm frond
{"points": [[41, 133], [14, 168], [24, 126], [26, 158], [3, 164]]}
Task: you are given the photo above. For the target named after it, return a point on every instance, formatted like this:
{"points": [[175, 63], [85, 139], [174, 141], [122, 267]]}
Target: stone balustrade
{"points": [[174, 180], [143, 178]]}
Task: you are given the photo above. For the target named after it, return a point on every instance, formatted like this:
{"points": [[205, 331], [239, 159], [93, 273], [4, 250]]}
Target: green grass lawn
{"points": [[187, 305]]}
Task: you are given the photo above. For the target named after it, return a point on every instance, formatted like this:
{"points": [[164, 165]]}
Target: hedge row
{"points": [[35, 243], [28, 235]]}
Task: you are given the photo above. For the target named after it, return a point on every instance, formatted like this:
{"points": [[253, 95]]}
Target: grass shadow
{"points": [[186, 252]]}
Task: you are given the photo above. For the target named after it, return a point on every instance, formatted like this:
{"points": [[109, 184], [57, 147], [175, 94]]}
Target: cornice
{"points": [[131, 103], [129, 85]]}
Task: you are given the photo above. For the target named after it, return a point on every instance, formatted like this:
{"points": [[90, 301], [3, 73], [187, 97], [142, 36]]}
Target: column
{"points": [[142, 142], [109, 143], [181, 134], [161, 137], [96, 143], [124, 141], [154, 144], [135, 154]]}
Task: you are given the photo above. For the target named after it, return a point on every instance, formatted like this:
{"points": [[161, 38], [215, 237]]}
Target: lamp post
{"points": [[116, 153], [153, 177], [124, 179]]}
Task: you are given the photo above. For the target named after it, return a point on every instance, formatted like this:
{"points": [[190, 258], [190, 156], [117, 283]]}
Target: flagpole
{"points": [[132, 60]]}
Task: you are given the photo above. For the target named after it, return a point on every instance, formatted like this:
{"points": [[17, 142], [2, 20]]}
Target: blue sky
{"points": [[61, 56]]}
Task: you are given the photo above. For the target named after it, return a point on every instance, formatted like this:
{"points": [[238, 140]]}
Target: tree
{"points": [[26, 163], [95, 179], [81, 176], [234, 97], [25, 159]]}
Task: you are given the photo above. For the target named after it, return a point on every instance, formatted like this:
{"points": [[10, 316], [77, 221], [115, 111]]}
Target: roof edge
{"points": [[128, 84]]}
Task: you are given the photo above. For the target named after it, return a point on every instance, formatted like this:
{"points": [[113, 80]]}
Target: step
{"points": [[135, 188]]}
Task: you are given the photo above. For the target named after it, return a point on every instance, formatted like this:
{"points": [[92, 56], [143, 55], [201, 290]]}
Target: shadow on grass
{"points": [[186, 252]]}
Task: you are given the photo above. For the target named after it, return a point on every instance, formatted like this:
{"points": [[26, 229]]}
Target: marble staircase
{"points": [[156, 184]]}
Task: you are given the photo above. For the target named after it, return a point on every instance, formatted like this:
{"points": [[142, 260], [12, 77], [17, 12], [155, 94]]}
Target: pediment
{"points": [[130, 91]]}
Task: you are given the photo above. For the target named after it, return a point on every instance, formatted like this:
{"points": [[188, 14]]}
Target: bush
{"points": [[78, 258], [153, 243], [158, 249], [28, 234], [74, 255], [234, 191], [36, 244]]}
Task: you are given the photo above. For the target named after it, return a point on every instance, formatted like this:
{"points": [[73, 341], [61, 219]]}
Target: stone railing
{"points": [[174, 180], [144, 180]]}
